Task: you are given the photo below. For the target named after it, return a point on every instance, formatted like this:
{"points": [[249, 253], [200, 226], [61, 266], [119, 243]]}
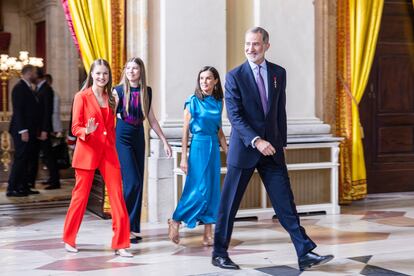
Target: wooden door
{"points": [[387, 108], [41, 41]]}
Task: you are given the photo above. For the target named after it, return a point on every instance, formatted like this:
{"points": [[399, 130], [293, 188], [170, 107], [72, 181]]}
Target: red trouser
{"points": [[80, 195]]}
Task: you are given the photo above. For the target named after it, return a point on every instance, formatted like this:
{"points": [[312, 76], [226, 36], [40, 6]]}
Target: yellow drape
{"points": [[92, 25], [358, 27], [365, 22]]}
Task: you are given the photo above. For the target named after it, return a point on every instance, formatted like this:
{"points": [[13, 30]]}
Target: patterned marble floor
{"points": [[61, 195], [371, 237]]}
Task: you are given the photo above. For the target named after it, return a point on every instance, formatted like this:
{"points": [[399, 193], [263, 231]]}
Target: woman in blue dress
{"points": [[202, 117], [134, 106]]}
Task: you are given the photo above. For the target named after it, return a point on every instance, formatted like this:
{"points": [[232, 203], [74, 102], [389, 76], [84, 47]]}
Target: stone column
{"points": [[137, 46], [137, 29], [62, 56]]}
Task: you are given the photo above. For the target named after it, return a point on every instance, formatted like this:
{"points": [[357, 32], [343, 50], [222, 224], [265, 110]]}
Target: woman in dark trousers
{"points": [[134, 106]]}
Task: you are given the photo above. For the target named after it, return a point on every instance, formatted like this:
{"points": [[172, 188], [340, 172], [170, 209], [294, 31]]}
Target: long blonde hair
{"points": [[144, 98], [108, 87]]}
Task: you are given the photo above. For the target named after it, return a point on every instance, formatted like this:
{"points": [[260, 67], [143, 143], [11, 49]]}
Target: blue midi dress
{"points": [[200, 199]]}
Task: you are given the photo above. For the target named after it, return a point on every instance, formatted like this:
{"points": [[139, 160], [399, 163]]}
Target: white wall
{"points": [[192, 35], [291, 25]]}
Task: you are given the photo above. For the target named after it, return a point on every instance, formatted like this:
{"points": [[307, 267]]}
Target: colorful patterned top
{"points": [[134, 116]]}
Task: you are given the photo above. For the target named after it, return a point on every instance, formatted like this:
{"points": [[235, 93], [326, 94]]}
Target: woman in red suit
{"points": [[93, 125]]}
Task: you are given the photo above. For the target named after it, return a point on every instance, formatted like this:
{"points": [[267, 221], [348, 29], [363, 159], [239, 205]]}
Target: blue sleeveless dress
{"points": [[201, 196]]}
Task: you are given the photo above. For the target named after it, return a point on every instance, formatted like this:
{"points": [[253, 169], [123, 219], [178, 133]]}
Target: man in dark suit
{"points": [[255, 100], [23, 129], [45, 94]]}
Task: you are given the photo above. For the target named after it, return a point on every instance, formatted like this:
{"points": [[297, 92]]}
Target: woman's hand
{"points": [[115, 95], [184, 165], [167, 150], [91, 126]]}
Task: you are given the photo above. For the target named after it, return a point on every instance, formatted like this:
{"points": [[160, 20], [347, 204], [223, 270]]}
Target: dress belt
{"points": [[206, 137]]}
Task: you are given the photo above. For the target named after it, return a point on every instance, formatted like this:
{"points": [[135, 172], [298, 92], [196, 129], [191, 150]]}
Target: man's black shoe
{"points": [[32, 192], [16, 193], [52, 187], [312, 259], [46, 182], [135, 240], [224, 262]]}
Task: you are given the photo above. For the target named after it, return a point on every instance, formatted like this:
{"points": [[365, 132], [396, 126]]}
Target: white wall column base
{"points": [[160, 184]]}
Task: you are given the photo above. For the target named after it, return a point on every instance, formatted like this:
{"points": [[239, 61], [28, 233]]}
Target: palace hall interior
{"points": [[345, 69]]}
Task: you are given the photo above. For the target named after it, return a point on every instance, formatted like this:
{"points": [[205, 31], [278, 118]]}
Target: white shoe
{"points": [[123, 253], [71, 249]]}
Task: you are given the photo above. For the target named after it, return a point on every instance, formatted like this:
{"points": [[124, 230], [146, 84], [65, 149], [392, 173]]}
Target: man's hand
{"points": [[264, 147], [25, 136], [43, 136], [59, 134]]}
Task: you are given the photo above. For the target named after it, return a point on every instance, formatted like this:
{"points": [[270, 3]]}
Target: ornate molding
{"points": [[36, 10], [118, 38], [325, 40]]}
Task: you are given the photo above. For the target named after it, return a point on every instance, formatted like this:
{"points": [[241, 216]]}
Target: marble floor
{"points": [[372, 237], [56, 197]]}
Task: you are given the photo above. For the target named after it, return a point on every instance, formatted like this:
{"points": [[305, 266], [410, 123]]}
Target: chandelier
{"points": [[13, 64]]}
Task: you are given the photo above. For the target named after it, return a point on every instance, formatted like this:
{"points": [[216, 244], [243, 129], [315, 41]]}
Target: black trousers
{"points": [[274, 175], [50, 162], [23, 154]]}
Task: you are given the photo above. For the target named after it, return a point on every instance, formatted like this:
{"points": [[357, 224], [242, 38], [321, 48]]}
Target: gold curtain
{"points": [[99, 27], [91, 22], [358, 27]]}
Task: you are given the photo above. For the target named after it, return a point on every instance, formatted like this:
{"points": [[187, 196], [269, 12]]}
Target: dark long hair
{"points": [[144, 98], [108, 87], [217, 91]]}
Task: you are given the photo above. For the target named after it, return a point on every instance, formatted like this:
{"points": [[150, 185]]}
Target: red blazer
{"points": [[92, 148]]}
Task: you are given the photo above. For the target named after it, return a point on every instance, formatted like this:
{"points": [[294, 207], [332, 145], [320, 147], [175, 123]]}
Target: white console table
{"points": [[312, 163]]}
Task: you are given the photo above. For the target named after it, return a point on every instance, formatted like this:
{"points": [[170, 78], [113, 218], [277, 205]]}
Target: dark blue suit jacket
{"points": [[245, 112], [26, 110], [45, 95]]}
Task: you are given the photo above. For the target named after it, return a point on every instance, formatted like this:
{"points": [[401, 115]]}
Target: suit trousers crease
{"points": [[80, 195], [274, 175]]}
